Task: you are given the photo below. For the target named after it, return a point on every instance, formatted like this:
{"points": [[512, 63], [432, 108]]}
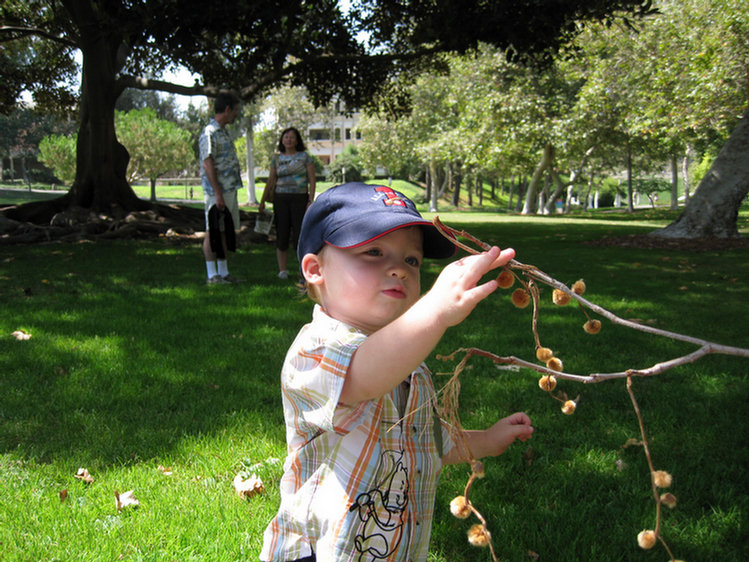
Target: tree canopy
{"points": [[248, 47], [626, 99]]}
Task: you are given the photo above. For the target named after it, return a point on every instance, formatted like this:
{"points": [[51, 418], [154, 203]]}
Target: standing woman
{"points": [[292, 184]]}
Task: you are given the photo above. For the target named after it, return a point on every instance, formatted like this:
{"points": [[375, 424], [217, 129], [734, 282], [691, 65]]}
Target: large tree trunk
{"points": [[529, 207], [100, 183], [551, 203], [457, 180], [685, 173], [713, 209]]}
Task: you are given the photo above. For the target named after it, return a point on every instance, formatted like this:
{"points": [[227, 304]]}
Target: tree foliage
{"points": [[249, 47], [627, 98], [57, 152], [156, 146]]}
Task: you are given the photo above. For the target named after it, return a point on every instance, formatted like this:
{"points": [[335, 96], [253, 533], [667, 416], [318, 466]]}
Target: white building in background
{"points": [[326, 140]]}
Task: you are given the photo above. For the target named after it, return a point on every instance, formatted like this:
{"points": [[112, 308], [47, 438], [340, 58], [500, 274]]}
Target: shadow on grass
{"points": [[576, 488], [131, 351], [132, 356]]}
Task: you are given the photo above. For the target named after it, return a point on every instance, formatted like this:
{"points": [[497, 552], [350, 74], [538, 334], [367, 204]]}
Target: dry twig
{"points": [[529, 277]]}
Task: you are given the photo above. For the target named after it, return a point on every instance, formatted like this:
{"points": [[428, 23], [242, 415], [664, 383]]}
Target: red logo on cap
{"points": [[392, 198]]}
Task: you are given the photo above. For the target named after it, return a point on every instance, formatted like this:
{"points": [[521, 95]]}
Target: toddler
{"points": [[365, 444]]}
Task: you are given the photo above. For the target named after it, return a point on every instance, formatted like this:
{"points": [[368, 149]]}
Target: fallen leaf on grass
{"points": [[165, 470], [248, 488], [529, 455], [63, 495], [84, 475], [126, 499], [20, 335]]}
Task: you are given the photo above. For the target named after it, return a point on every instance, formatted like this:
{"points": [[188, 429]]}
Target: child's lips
{"points": [[396, 292]]}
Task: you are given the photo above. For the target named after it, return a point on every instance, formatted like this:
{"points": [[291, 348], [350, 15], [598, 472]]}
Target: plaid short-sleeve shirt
{"points": [[359, 482], [215, 141]]}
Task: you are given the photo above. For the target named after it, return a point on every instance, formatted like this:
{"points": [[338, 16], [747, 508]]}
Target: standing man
{"points": [[222, 178]]}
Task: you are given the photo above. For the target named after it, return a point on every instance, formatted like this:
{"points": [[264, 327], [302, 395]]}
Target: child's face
{"points": [[371, 285]]}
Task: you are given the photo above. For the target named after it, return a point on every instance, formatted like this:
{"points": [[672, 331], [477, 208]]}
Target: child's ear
{"points": [[311, 269]]}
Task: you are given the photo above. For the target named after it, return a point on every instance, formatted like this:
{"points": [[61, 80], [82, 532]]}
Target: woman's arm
{"points": [[312, 178], [269, 185]]}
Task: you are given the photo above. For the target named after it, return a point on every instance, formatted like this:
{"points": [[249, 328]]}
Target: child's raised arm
{"points": [[393, 352]]}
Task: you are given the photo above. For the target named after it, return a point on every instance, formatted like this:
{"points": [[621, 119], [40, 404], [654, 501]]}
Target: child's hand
{"points": [[492, 441], [503, 433], [416, 332], [455, 293]]}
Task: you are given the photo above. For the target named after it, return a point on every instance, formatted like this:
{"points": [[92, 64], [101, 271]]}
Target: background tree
{"points": [[388, 143], [284, 106], [164, 106], [713, 211], [57, 152], [127, 44], [685, 87], [156, 146], [347, 167], [20, 134]]}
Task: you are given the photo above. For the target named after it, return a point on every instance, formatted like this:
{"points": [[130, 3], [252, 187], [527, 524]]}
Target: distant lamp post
{"points": [[343, 172]]}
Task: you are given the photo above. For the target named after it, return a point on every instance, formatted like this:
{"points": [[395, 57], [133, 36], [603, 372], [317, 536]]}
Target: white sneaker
{"points": [[283, 274], [216, 280]]}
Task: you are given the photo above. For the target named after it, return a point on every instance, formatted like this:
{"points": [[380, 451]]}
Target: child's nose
{"points": [[398, 270]]}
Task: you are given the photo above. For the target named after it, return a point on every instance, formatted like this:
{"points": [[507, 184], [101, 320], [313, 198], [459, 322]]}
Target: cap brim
{"points": [[364, 229]]}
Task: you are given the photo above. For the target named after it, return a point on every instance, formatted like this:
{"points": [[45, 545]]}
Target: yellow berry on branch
{"points": [[521, 298], [505, 279], [555, 364], [646, 539], [477, 467], [661, 478], [669, 500], [544, 354], [568, 408], [547, 383], [459, 507], [578, 287], [560, 298], [479, 536], [592, 326]]}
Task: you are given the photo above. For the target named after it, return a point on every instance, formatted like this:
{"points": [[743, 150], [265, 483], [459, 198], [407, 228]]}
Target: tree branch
{"points": [[20, 32], [271, 77], [532, 272], [127, 81]]}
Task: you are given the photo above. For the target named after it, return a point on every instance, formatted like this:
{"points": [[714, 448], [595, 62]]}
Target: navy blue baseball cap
{"points": [[353, 214]]}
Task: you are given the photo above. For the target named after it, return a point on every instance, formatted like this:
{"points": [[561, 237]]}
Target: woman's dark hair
{"points": [[299, 142]]}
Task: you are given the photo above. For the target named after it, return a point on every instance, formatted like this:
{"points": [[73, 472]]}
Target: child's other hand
{"points": [[456, 293], [493, 441], [503, 433]]}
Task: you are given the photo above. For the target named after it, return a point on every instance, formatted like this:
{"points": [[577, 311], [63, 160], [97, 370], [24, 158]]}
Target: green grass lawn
{"points": [[135, 364]]}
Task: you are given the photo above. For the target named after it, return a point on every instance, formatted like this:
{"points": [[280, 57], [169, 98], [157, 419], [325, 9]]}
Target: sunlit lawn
{"points": [[157, 383]]}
